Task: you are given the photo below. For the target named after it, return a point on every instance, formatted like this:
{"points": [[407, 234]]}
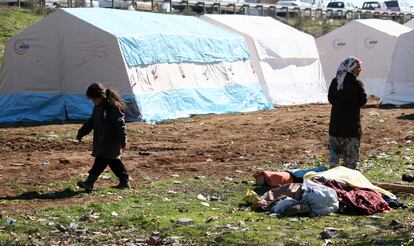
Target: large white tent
{"points": [[371, 40], [399, 88], [285, 59], [165, 66]]}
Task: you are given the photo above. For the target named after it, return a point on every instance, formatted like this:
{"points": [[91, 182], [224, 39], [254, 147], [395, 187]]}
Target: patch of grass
{"points": [[316, 28], [153, 210], [13, 20]]}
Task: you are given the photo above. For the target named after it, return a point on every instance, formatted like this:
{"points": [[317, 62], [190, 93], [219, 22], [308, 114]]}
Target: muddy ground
{"points": [[212, 145]]}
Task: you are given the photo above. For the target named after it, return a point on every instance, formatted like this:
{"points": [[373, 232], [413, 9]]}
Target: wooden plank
{"points": [[395, 188]]}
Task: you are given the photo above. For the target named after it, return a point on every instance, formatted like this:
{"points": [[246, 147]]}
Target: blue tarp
{"points": [[148, 38], [300, 173], [25, 106], [155, 107], [185, 102]]}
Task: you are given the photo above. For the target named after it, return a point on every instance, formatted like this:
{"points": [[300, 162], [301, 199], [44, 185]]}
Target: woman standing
{"points": [[347, 96]]}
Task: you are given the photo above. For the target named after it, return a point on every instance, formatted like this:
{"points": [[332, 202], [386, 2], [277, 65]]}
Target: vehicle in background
{"points": [[344, 6], [296, 3], [14, 2], [118, 4], [377, 6], [398, 6]]}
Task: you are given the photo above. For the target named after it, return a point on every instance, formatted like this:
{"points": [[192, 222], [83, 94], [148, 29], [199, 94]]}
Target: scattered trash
{"points": [[228, 178], [171, 192], [175, 175], [214, 198], [326, 242], [16, 164], [37, 242], [199, 177], [329, 232], [44, 164], [231, 227], [90, 216], [408, 177], [143, 153], [61, 228], [373, 113], [51, 224], [28, 217], [371, 227], [73, 225], [201, 197], [376, 217], [209, 160], [105, 177], [10, 221], [205, 204], [251, 197], [115, 214], [185, 221]]}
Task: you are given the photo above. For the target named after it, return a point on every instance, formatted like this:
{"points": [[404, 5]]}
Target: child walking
{"points": [[109, 135]]}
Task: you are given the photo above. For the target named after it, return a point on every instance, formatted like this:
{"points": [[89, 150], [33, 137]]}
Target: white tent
{"points": [[285, 59], [399, 88], [371, 40], [165, 66], [410, 24]]}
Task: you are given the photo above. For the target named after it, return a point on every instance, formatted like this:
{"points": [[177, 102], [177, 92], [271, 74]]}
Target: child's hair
{"points": [[97, 90]]}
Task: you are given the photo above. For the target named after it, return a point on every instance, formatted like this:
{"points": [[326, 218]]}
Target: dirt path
{"points": [[213, 145]]}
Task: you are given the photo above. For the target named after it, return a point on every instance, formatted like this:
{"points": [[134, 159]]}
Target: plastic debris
{"points": [[329, 232], [185, 221], [376, 217], [73, 225], [251, 197], [44, 164], [10, 221], [201, 197]]}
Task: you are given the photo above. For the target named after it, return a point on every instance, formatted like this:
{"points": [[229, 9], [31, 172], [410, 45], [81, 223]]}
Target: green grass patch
{"points": [[13, 20], [153, 211]]}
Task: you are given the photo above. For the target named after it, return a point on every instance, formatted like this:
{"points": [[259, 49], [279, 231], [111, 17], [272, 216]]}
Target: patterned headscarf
{"points": [[346, 67]]}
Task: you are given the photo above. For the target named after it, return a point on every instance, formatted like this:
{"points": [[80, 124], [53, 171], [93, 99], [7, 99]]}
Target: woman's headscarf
{"points": [[346, 67]]}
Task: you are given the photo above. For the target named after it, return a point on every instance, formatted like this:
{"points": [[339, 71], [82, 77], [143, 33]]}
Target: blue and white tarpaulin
{"points": [[171, 66]]}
